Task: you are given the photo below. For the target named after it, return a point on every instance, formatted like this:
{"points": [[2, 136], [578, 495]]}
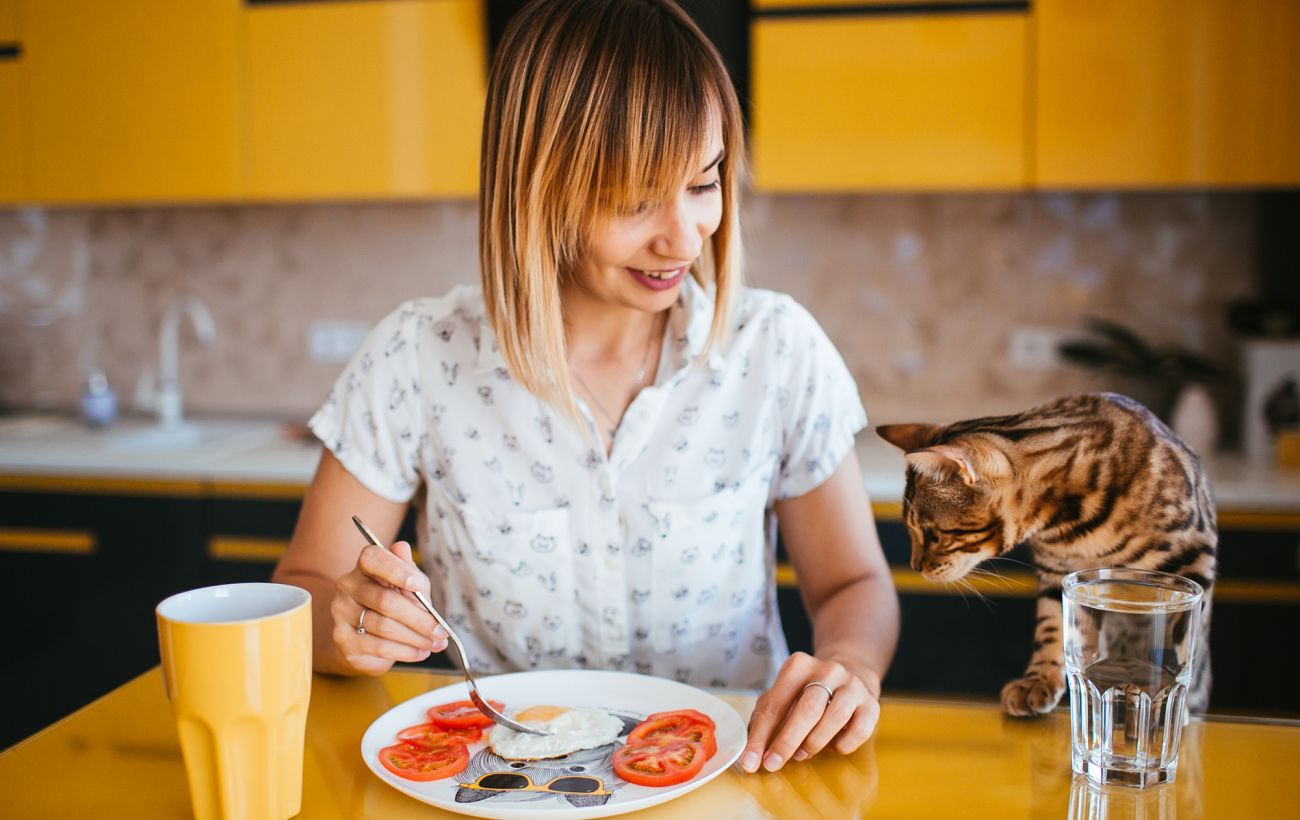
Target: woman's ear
{"points": [[908, 437]]}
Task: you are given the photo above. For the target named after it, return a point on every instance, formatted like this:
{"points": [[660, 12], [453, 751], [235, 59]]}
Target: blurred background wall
{"points": [[923, 294]]}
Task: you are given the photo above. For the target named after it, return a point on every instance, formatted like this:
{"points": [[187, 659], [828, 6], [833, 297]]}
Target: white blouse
{"points": [[545, 553]]}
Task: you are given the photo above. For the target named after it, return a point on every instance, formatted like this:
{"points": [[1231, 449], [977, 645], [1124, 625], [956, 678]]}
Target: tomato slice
{"points": [[691, 713], [426, 735], [686, 724], [462, 714], [659, 763], [465, 734], [449, 758]]}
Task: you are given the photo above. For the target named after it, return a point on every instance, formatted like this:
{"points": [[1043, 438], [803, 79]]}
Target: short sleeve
{"points": [[371, 420], [824, 412]]}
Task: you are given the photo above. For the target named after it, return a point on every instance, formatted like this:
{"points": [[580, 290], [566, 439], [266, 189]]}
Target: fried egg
{"points": [[571, 730]]}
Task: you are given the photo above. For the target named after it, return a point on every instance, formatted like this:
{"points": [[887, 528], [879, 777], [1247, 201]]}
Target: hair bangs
{"points": [[655, 133]]}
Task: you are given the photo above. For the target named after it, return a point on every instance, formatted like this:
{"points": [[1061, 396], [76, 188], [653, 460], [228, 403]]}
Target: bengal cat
{"points": [[1085, 481]]}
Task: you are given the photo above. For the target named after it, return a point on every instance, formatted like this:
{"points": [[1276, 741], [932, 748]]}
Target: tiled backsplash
{"points": [[920, 292]]}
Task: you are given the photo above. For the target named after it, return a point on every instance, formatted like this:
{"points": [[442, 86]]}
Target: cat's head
{"points": [[953, 502]]}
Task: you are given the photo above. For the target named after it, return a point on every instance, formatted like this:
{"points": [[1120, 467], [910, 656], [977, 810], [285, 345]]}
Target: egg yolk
{"points": [[541, 713]]}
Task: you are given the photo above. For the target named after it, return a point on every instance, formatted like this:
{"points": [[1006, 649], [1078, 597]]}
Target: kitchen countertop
{"points": [[267, 452], [120, 757]]}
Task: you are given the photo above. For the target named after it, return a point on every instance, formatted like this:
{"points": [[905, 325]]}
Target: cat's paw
{"points": [[1031, 695]]}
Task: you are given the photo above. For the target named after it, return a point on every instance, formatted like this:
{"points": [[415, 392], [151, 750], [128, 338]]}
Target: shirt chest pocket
{"points": [[510, 577], [710, 564]]}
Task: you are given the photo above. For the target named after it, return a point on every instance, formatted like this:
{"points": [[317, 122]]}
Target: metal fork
{"points": [[474, 696]]}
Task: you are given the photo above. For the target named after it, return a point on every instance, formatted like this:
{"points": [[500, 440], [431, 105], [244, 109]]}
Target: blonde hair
{"points": [[592, 106]]}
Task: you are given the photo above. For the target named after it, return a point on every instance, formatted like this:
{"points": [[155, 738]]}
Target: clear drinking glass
{"points": [[1130, 637]]}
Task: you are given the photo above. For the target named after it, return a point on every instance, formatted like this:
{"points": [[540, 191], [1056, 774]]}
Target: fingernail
{"points": [[801, 755], [439, 634], [772, 762], [413, 583], [749, 762]]}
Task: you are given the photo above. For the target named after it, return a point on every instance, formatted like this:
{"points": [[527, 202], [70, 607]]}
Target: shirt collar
{"points": [[489, 354], [690, 319]]}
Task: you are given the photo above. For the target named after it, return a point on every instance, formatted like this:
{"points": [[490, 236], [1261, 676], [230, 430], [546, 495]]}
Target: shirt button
{"points": [[614, 633]]}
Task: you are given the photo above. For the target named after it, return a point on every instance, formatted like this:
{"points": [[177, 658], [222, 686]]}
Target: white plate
{"points": [[627, 695]]}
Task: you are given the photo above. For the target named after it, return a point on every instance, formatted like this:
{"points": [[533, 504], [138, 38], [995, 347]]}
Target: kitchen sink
{"points": [[140, 443], [188, 435]]}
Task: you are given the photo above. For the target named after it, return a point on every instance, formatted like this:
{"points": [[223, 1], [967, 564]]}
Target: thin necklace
{"points": [[640, 378]]}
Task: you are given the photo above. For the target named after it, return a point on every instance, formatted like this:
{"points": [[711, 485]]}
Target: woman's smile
{"points": [[659, 279]]}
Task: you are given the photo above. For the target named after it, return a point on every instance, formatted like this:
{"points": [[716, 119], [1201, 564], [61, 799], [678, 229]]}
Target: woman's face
{"points": [[637, 260]]}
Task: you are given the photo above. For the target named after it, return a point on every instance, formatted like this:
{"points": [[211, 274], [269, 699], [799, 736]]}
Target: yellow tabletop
{"points": [[119, 757]]}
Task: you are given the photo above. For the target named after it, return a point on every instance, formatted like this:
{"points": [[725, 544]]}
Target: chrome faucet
{"points": [[168, 398]]}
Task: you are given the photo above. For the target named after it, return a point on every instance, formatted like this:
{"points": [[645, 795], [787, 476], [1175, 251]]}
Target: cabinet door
{"points": [[12, 187], [1167, 92], [86, 571], [131, 101], [365, 99], [874, 101]]}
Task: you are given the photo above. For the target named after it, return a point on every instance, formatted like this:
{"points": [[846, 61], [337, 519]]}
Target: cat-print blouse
{"points": [[545, 553]]}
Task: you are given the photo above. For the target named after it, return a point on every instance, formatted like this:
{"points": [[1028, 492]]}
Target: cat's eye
{"points": [[956, 532]]}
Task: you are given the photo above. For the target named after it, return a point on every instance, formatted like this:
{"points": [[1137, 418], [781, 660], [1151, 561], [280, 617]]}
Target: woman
{"points": [[597, 436]]}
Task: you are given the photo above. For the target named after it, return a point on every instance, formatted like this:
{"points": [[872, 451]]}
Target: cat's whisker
{"points": [[957, 585], [979, 595], [983, 598], [1002, 558], [993, 577]]}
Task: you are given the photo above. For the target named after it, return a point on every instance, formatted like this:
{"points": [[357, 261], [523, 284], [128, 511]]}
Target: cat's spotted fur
{"points": [[1086, 481]]}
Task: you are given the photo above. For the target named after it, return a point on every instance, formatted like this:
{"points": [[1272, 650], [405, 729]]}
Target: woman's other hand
{"points": [[396, 627], [797, 718], [831, 538]]}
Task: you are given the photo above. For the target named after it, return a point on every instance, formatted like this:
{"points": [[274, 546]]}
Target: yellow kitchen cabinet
{"points": [[358, 100], [131, 101], [8, 22], [13, 187], [1150, 93], [909, 101]]}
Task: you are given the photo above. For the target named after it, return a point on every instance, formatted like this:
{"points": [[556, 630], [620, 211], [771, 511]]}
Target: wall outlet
{"points": [[1034, 347], [334, 342]]}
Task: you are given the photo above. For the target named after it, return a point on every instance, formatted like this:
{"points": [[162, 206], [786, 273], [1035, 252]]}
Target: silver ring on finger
{"points": [[830, 693], [361, 622]]}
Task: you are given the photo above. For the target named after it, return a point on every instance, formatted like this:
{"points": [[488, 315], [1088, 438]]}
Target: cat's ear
{"points": [[908, 437], [943, 460]]}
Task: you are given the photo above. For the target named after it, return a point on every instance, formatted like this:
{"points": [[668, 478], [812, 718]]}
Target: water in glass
{"points": [[1129, 640]]}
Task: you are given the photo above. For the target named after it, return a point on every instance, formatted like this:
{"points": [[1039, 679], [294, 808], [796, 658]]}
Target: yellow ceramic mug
{"points": [[236, 661]]}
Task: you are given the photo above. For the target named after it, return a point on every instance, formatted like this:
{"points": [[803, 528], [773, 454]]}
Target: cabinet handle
{"points": [[10, 51], [293, 2], [257, 550], [1021, 584], [895, 9], [62, 542], [242, 548]]}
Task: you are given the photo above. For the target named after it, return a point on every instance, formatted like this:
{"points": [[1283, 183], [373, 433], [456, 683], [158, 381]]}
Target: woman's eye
{"points": [[706, 188]]}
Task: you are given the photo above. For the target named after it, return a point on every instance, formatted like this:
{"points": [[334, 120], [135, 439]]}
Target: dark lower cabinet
{"points": [[79, 620], [79, 624]]}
